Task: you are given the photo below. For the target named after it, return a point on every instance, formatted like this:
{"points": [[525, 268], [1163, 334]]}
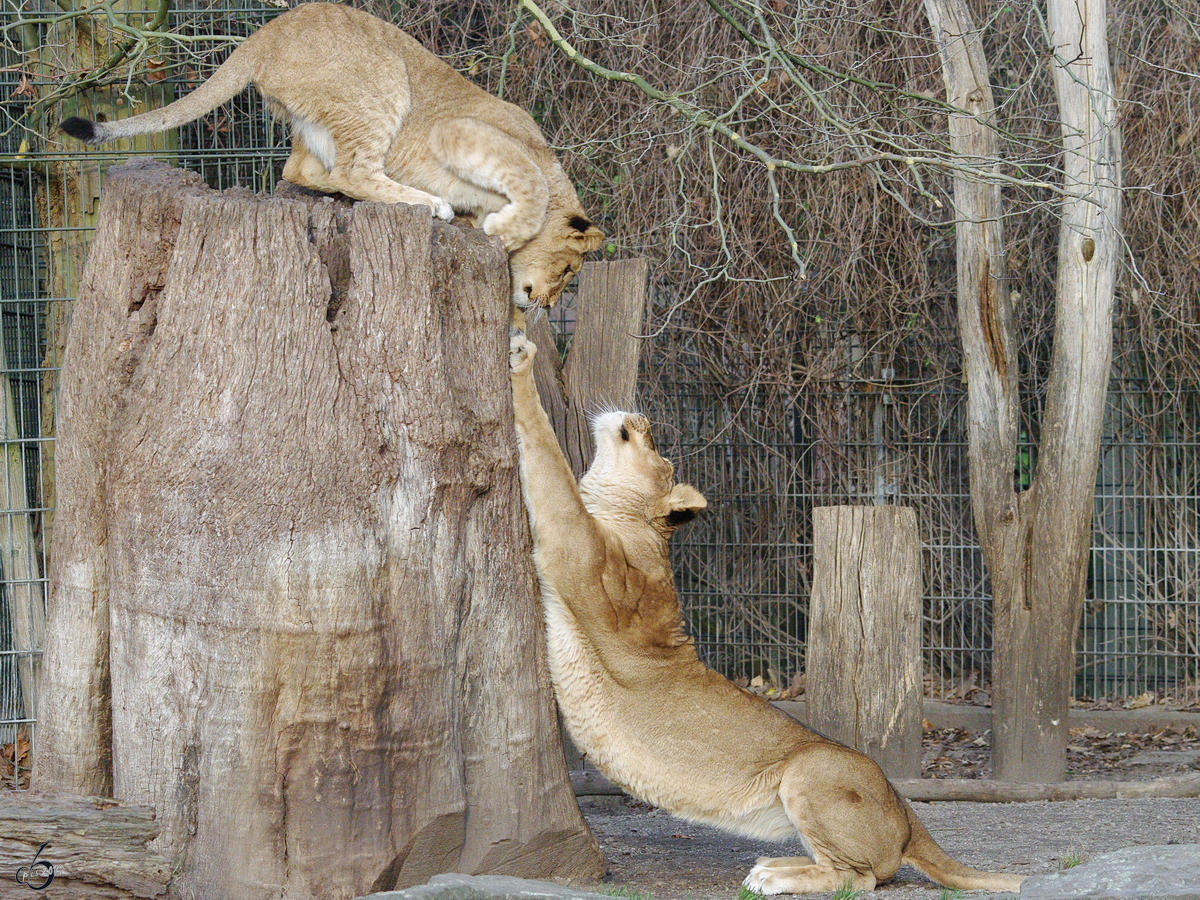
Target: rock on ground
{"points": [[1135, 873], [486, 887]]}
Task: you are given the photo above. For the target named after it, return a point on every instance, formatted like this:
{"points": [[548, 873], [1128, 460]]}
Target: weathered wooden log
{"points": [[96, 848], [601, 367], [864, 633], [590, 783], [982, 790], [292, 602]]}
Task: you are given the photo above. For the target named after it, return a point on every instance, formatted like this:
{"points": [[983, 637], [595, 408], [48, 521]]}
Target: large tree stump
{"points": [[292, 603], [864, 635]]}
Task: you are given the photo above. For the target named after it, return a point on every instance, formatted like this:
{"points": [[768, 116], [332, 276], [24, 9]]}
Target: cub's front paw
{"points": [[442, 209], [521, 351], [506, 224]]}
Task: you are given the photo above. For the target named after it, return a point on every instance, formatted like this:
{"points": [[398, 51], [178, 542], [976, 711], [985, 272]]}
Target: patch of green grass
{"points": [[1071, 859], [623, 893], [745, 893], [948, 894], [848, 892]]}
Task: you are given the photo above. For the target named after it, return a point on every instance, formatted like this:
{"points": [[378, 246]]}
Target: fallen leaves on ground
{"points": [[1091, 753], [15, 762]]}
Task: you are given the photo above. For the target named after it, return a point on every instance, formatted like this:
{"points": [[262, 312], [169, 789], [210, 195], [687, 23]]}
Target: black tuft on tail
{"points": [[80, 129]]}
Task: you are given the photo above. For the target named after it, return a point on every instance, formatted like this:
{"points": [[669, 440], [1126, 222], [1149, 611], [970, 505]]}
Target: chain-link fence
{"points": [[745, 567]]}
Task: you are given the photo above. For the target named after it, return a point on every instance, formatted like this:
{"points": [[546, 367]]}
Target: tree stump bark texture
{"points": [[865, 682], [292, 604]]}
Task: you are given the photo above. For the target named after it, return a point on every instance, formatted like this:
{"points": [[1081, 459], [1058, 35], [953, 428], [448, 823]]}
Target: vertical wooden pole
{"points": [[864, 637], [601, 368]]}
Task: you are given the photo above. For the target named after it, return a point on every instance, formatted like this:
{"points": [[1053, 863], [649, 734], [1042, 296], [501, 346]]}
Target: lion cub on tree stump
{"points": [[376, 116], [656, 720]]}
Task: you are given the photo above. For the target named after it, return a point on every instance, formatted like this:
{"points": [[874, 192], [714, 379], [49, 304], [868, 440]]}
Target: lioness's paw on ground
{"points": [[521, 351], [758, 882]]}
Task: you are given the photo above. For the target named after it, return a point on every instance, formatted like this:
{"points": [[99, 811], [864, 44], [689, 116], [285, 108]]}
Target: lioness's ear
{"points": [[583, 234], [681, 505]]}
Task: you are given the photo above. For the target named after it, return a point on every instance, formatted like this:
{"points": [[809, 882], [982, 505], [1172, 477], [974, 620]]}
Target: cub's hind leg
{"points": [[303, 168], [351, 163]]}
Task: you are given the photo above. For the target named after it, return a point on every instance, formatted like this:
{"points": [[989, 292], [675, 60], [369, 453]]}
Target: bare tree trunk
{"points": [[294, 509], [1035, 543], [19, 558], [1035, 639]]}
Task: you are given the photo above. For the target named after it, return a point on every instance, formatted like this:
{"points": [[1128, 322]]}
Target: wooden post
{"points": [[864, 634], [601, 368], [292, 603]]}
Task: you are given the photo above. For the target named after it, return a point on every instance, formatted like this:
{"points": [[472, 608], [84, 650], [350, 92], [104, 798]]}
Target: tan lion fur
{"points": [[657, 721], [376, 116]]}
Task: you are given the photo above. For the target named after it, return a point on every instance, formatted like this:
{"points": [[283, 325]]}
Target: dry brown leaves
{"points": [[1091, 754], [16, 762]]}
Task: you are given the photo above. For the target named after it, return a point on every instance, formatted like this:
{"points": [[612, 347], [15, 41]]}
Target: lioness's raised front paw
{"points": [[521, 351]]}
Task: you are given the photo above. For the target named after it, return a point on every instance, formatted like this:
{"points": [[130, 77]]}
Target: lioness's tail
{"points": [[924, 853], [226, 83]]}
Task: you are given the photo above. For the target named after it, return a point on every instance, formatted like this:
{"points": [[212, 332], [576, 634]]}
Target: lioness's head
{"points": [[545, 265], [628, 480]]}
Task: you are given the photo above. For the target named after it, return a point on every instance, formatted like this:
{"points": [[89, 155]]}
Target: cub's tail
{"points": [[226, 83], [924, 853]]}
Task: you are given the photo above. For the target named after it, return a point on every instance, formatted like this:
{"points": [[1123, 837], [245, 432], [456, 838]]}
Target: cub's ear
{"points": [[681, 505], [583, 234]]}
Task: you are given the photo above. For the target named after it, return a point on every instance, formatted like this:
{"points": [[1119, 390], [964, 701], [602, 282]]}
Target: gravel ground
{"points": [[652, 855]]}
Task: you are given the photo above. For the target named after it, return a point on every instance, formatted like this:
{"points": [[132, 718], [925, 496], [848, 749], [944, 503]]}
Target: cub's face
{"points": [[629, 480], [542, 268]]}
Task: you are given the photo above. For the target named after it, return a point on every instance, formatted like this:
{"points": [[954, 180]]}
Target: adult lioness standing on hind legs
{"points": [[657, 721], [376, 116]]}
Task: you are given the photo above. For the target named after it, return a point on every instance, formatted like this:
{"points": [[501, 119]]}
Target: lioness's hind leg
{"points": [[805, 879]]}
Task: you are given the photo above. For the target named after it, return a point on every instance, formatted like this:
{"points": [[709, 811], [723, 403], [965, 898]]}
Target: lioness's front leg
{"points": [[557, 516]]}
